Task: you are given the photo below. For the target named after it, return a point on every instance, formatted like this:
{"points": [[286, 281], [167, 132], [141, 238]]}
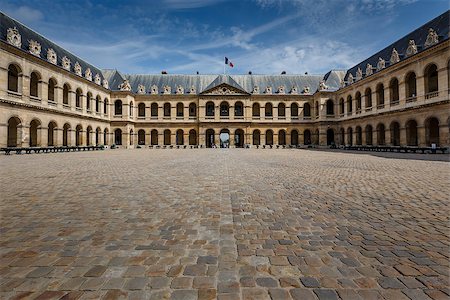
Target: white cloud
{"points": [[25, 14]]}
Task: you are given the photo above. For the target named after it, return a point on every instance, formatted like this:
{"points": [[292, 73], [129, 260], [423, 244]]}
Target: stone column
{"points": [[3, 135], [43, 136], [23, 136], [421, 136]]}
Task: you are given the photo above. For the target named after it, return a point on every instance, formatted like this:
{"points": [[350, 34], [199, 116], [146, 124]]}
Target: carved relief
{"points": [[268, 90], [141, 89], [77, 68], [322, 86], [192, 90], [154, 90], [34, 48], [105, 83], [255, 90], [369, 70], [306, 90], [125, 85], [97, 79], [395, 58], [359, 74], [66, 63], [294, 90], [221, 91], [167, 90], [13, 37], [412, 48], [432, 38], [180, 90], [381, 64], [281, 89], [88, 74], [51, 56], [350, 78]]}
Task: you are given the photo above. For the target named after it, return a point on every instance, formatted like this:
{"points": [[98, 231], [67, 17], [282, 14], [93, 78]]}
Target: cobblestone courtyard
{"points": [[226, 224]]}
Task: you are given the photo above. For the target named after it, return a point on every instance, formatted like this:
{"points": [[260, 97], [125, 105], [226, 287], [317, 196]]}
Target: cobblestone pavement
{"points": [[225, 224]]}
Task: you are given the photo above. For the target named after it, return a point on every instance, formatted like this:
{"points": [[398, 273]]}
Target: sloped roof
{"points": [[440, 24], [223, 79], [28, 34]]}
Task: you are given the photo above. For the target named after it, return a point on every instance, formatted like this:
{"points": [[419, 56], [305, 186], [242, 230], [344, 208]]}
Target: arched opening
{"points": [[294, 137], [66, 91], [180, 110], [131, 109], [411, 86], [89, 136], [14, 73], [358, 135], [118, 136], [269, 137], [294, 110], [210, 109], [78, 135], [224, 138], [395, 133], [88, 101], [167, 135], [141, 110], [154, 110], [306, 110], [118, 107], [431, 79], [97, 104], [51, 90], [209, 138], [282, 137], [224, 109], [14, 137], [411, 133], [330, 107], [358, 102], [349, 105], [98, 133], [51, 134], [341, 106], [307, 137], [192, 110], [432, 131], [256, 110], [66, 136], [34, 84], [281, 110], [316, 137], [192, 137], [106, 137], [369, 135], [342, 136], [154, 137], [78, 95], [131, 137], [393, 89], [381, 135], [105, 106], [238, 109], [179, 137], [350, 136], [330, 137], [141, 137], [380, 95], [34, 137], [368, 98], [256, 136], [268, 110], [239, 138]]}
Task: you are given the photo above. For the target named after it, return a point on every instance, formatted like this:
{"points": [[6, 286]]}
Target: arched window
{"points": [[269, 137], [66, 90], [192, 137], [411, 86], [307, 110], [192, 110], [330, 107], [167, 109], [105, 106], [268, 110], [78, 96], [411, 133], [395, 133], [368, 98], [154, 110], [282, 137], [256, 137], [210, 109], [88, 100], [358, 102], [34, 84], [180, 110], [380, 95], [349, 105], [393, 89], [341, 106], [154, 137], [256, 110], [294, 137], [13, 78], [294, 110], [118, 107], [141, 137], [224, 109], [238, 109], [141, 110], [281, 110], [431, 81], [381, 135], [131, 108], [97, 103], [51, 89], [118, 136], [369, 135], [167, 137], [307, 137], [179, 137], [432, 131]]}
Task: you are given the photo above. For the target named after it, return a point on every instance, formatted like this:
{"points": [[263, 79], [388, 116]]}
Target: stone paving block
{"points": [[302, 294]]}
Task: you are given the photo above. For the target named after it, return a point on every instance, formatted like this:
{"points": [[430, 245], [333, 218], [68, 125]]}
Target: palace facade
{"points": [[399, 97]]}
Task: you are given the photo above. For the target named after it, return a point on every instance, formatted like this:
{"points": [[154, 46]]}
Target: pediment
{"points": [[224, 89]]}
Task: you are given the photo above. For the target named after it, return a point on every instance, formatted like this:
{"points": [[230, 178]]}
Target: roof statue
{"points": [[369, 70], [34, 48], [432, 38], [395, 58], [105, 83], [51, 56], [412, 48], [141, 89], [66, 63], [322, 86], [381, 64], [77, 69], [88, 74], [125, 86], [97, 79], [359, 74], [13, 37], [350, 78]]}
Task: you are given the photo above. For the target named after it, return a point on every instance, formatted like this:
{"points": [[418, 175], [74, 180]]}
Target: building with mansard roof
{"points": [[399, 97]]}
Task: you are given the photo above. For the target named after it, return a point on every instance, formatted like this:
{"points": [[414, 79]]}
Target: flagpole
{"points": [[224, 69]]}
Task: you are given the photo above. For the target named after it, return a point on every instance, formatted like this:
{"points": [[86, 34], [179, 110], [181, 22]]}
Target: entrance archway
{"points": [[294, 137], [13, 133], [209, 138], [330, 137], [66, 137], [224, 138], [34, 136], [51, 134], [411, 133], [432, 131], [239, 138]]}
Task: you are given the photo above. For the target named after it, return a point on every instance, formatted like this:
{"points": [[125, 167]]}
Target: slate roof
{"points": [[28, 34], [440, 24], [223, 79]]}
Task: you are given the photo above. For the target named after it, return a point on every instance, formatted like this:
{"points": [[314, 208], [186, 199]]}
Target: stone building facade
{"points": [[399, 97]]}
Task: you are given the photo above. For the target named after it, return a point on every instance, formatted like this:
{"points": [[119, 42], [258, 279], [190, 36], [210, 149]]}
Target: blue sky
{"points": [[262, 36]]}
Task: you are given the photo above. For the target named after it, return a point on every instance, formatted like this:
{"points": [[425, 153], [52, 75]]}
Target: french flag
{"points": [[228, 62]]}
